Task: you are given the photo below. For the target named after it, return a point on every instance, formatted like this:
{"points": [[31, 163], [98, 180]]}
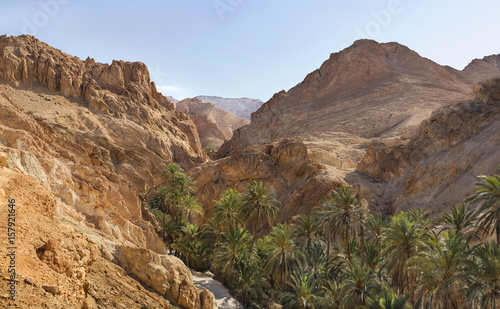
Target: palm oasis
{"points": [[340, 255]]}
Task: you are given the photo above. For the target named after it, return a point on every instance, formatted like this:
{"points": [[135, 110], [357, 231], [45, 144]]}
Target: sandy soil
{"points": [[223, 299]]}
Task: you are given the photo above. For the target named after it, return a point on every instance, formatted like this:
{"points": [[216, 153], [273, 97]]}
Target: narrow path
{"points": [[223, 299]]}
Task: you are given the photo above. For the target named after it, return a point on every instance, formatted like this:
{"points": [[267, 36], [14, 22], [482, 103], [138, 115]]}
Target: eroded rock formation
{"points": [[213, 124], [438, 167], [94, 136]]}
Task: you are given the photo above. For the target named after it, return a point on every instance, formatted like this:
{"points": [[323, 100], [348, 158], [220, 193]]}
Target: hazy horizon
{"points": [[251, 49]]}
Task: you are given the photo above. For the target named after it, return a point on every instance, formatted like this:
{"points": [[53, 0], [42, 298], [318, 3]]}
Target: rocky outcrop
{"points": [[367, 90], [438, 167], [213, 124], [364, 106], [165, 274], [95, 136], [298, 181], [482, 69], [61, 261], [241, 107]]}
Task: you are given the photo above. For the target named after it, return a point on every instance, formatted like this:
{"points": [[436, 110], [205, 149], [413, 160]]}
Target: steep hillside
{"points": [[366, 95], [241, 107], [482, 69], [94, 136], [213, 124], [438, 167], [368, 90]]}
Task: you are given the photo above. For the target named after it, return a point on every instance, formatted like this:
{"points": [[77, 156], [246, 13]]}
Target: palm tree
{"points": [[188, 244], [358, 285], [441, 266], [459, 219], [307, 231], [235, 246], [388, 299], [184, 184], [171, 172], [190, 207], [341, 214], [226, 214], [403, 238], [250, 283], [487, 193], [283, 256], [375, 226], [484, 276], [259, 205], [171, 231], [304, 292]]}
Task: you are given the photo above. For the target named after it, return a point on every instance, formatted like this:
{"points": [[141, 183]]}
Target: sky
{"points": [[250, 48]]}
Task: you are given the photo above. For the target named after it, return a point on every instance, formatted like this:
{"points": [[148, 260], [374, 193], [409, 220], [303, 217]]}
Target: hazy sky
{"points": [[250, 48]]}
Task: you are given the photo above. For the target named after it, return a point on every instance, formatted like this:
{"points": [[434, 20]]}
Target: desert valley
{"points": [[123, 198]]}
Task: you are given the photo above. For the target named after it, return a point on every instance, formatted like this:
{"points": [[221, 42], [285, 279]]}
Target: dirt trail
{"points": [[223, 299]]}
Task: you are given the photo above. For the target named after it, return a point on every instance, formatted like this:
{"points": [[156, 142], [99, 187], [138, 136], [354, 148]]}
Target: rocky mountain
{"points": [[213, 124], [482, 69], [79, 141], [368, 93], [172, 99], [241, 107], [437, 167], [368, 90]]}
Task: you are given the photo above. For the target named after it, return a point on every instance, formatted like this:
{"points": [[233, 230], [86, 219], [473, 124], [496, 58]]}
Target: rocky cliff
{"points": [[369, 96], [367, 90], [438, 167], [299, 182], [95, 136], [214, 125]]}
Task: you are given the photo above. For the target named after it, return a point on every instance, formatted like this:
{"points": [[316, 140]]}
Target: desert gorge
{"points": [[372, 183]]}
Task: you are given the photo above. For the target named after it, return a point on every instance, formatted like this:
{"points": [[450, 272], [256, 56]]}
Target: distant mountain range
{"points": [[214, 124], [241, 107]]}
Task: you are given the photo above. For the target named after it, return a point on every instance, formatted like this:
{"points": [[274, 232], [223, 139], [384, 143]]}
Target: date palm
{"points": [[441, 267], [388, 299], [259, 205], [358, 285], [341, 215], [375, 226], [307, 231], [404, 238], [190, 246], [235, 246], [226, 214], [191, 208], [303, 294], [459, 219], [283, 256], [184, 184], [484, 275], [250, 283], [487, 194], [171, 172]]}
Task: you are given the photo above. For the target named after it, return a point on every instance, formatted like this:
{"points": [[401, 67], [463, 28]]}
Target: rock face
{"points": [[298, 181], [95, 136], [482, 69], [165, 274], [367, 99], [438, 167], [99, 145], [241, 107], [213, 124], [60, 260]]}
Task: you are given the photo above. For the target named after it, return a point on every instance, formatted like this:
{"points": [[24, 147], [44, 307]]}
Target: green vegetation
{"points": [[339, 256], [210, 149]]}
